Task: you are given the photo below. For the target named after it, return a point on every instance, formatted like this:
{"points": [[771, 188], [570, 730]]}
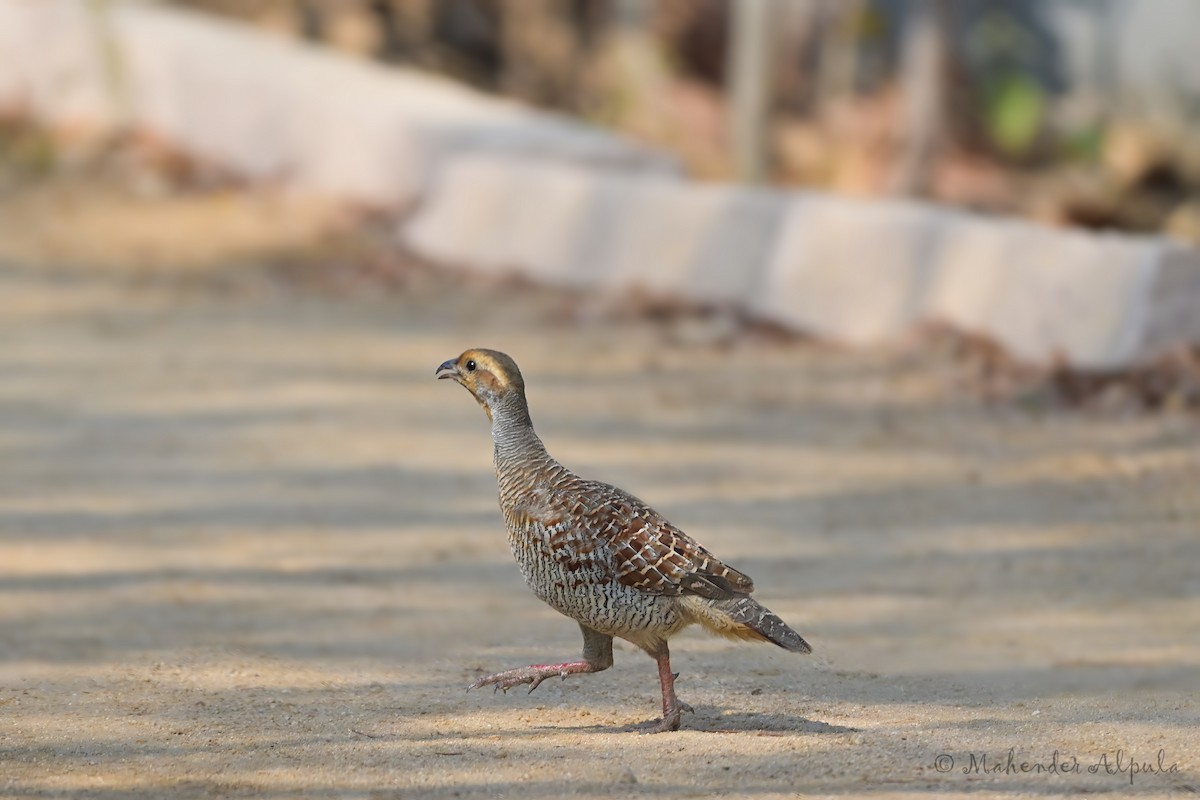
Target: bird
{"points": [[599, 555]]}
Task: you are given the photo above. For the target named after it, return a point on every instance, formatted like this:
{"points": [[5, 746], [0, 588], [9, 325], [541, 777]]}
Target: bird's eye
{"points": [[471, 365]]}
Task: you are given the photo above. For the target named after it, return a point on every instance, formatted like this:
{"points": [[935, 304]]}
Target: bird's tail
{"points": [[745, 618]]}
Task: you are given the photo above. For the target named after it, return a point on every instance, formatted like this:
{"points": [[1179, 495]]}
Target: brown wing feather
{"points": [[595, 526], [652, 555], [557, 515]]}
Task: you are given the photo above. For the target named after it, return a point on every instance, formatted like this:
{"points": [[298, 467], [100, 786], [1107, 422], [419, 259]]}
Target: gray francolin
{"points": [[600, 555]]}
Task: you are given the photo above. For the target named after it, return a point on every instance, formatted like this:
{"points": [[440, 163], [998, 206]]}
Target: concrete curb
{"points": [[269, 108], [854, 271], [851, 270]]}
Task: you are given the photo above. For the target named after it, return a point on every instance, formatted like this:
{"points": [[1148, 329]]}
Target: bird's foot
{"points": [[534, 674], [672, 717]]}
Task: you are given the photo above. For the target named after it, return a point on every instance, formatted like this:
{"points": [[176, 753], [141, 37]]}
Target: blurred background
{"points": [[1080, 112]]}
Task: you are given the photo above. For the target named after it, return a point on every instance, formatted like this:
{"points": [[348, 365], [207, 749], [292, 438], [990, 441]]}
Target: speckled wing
{"points": [[653, 556]]}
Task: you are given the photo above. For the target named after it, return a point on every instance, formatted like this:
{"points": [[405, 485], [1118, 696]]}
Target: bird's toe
{"points": [[666, 724]]}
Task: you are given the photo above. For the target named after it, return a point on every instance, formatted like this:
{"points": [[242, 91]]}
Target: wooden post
{"points": [[923, 95], [748, 86]]}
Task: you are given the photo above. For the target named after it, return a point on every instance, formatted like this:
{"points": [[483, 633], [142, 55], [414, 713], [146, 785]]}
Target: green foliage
{"points": [[1014, 113]]}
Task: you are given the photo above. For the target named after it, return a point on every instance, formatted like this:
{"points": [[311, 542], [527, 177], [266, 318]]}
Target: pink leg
{"points": [[673, 707], [597, 656], [534, 674]]}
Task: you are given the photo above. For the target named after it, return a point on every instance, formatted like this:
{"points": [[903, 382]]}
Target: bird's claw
{"points": [[672, 718], [503, 681]]}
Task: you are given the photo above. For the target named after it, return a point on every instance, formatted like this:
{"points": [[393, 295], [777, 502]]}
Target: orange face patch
{"points": [[488, 381]]}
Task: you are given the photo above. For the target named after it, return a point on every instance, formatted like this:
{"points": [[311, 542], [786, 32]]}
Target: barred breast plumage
{"points": [[600, 555]]}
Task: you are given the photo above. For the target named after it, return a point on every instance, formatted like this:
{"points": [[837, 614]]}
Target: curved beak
{"points": [[448, 369]]}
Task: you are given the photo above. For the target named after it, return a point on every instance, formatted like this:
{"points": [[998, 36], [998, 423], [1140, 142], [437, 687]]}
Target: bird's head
{"points": [[490, 376]]}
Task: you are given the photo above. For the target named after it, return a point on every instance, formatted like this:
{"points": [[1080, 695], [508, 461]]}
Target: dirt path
{"points": [[249, 547]]}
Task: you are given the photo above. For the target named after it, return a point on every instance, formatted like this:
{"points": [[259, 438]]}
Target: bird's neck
{"points": [[513, 435], [520, 457]]}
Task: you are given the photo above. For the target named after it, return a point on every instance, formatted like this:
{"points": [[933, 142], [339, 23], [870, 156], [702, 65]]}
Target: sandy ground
{"points": [[249, 547]]}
